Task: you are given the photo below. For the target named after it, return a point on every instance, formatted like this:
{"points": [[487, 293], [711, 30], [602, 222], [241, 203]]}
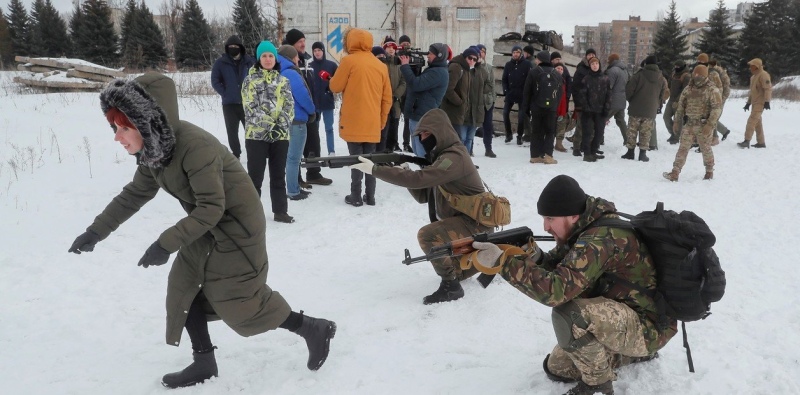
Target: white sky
{"points": [[550, 15]]}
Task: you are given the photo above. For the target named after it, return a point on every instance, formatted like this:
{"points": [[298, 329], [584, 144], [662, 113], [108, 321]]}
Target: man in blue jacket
{"points": [[424, 92], [226, 78]]}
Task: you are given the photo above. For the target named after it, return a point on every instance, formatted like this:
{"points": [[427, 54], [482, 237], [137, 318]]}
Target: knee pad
{"points": [[564, 317]]}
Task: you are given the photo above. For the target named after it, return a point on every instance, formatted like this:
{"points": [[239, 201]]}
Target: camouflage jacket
{"points": [[724, 79], [677, 84], [701, 103], [575, 270], [268, 105]]}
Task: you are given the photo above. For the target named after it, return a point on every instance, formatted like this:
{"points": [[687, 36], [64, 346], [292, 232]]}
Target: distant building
{"points": [[632, 39]]}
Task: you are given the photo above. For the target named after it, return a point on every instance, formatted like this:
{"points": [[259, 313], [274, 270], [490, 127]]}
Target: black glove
{"points": [[747, 106], [659, 110], [84, 242], [154, 256], [766, 105]]}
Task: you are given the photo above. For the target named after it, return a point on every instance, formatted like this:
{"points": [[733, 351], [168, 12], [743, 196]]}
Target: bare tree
{"points": [[273, 20], [171, 11]]}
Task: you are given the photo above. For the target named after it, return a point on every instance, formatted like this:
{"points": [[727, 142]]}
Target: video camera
{"points": [[416, 56]]}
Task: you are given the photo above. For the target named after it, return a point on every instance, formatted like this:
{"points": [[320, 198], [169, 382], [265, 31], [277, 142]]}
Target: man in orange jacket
{"points": [[366, 100]]}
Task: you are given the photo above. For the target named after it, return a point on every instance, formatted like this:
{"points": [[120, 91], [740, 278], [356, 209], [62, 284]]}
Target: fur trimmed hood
{"points": [[151, 103]]}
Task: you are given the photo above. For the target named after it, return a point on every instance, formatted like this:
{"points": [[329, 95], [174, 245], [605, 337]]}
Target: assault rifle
{"points": [[517, 236], [334, 162]]}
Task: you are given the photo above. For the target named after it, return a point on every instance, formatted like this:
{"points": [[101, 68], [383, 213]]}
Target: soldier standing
{"points": [[680, 80], [701, 103], [716, 78], [760, 95], [644, 92], [725, 90]]}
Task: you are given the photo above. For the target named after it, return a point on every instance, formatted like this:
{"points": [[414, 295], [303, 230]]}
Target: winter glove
{"points": [[488, 253], [365, 166], [84, 242], [766, 105], [154, 256], [659, 110], [747, 106]]}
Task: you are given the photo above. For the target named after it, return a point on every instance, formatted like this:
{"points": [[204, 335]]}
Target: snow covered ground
{"points": [[94, 323]]}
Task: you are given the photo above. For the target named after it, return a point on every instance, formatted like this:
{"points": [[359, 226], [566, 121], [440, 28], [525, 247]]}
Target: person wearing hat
{"points": [[594, 99], [489, 98], [424, 92], [514, 74], [452, 172], [701, 105], [366, 92], [389, 142], [304, 109], [563, 121], [220, 269], [617, 74], [226, 78], [312, 147], [473, 112], [759, 97], [581, 71], [644, 92], [323, 97], [716, 78], [598, 329], [456, 100], [404, 42], [714, 67], [681, 78], [540, 100], [527, 52]]}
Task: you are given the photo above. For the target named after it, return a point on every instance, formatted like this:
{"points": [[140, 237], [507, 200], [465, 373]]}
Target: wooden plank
{"points": [[59, 84], [44, 69], [66, 65], [23, 67], [22, 59], [89, 76], [99, 70], [48, 62]]}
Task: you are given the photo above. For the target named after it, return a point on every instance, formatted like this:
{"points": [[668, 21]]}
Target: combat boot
{"points": [[675, 139], [757, 145], [318, 333], [672, 176], [643, 156], [537, 160], [629, 155], [489, 153], [582, 388], [744, 144], [548, 160], [560, 146], [589, 158], [725, 134], [203, 368], [576, 152], [448, 291], [709, 175]]}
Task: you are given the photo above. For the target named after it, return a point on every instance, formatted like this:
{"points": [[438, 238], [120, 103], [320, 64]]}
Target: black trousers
{"points": [[312, 148], [261, 154], [594, 126], [389, 134], [543, 131], [356, 175], [234, 115], [197, 325], [507, 117]]}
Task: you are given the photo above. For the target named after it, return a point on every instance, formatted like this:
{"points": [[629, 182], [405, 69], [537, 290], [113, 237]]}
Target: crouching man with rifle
{"points": [[600, 323], [451, 172]]}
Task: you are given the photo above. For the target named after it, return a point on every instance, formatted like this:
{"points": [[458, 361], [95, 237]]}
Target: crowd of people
{"points": [[279, 97]]}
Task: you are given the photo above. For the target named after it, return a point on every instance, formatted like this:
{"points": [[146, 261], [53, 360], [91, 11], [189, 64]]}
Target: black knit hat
{"points": [[590, 51], [318, 45], [561, 197], [529, 49], [651, 59], [404, 39], [293, 36], [543, 56], [555, 55]]}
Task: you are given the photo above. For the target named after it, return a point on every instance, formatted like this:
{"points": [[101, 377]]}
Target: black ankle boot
{"points": [[318, 333], [629, 155], [203, 368], [643, 155], [449, 290]]}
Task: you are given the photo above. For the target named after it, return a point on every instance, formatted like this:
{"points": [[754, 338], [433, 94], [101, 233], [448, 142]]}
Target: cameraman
{"points": [[425, 91]]}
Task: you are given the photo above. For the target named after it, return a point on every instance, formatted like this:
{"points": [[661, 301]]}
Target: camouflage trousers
{"points": [[444, 231], [754, 124], [618, 335], [641, 128], [693, 131]]}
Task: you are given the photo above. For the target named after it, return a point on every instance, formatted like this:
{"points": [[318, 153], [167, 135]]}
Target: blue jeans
{"points": [[297, 140], [327, 116], [416, 144], [467, 135]]}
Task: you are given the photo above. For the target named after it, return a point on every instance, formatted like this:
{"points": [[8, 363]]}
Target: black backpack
{"points": [[688, 273], [548, 91]]}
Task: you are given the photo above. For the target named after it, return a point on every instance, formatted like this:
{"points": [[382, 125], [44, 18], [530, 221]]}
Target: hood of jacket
{"points": [[652, 72], [618, 64], [437, 122], [460, 60], [324, 56], [286, 64], [235, 40], [357, 40], [151, 103]]}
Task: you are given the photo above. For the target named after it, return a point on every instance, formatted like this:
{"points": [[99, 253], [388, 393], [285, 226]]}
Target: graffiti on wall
{"points": [[337, 24]]}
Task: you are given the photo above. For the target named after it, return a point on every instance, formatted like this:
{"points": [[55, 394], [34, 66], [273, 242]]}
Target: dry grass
{"points": [[788, 92]]}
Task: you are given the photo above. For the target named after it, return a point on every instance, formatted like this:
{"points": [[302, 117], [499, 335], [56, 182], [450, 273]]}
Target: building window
{"points": [[435, 14], [469, 14]]}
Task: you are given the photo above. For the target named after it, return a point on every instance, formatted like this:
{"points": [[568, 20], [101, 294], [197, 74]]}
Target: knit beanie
{"points": [[516, 48], [555, 55], [377, 50], [481, 47], [543, 56], [318, 45], [700, 70], [404, 39], [529, 49], [702, 58], [561, 197], [439, 50], [288, 52], [470, 52], [590, 51], [293, 36], [652, 59], [266, 46]]}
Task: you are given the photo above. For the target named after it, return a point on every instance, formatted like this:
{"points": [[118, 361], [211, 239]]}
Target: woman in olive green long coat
{"points": [[221, 267]]}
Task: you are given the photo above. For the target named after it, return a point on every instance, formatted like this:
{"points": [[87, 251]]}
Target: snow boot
{"points": [[629, 155], [576, 152], [709, 175], [599, 155], [318, 333], [554, 377], [354, 200], [370, 201], [560, 146], [759, 145], [203, 368], [589, 158], [548, 160], [489, 153], [582, 388], [643, 156], [284, 217], [725, 134], [449, 290], [744, 144], [672, 176]]}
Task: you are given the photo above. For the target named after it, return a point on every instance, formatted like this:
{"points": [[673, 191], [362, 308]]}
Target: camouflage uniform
{"points": [[725, 90], [641, 127], [702, 105], [442, 232], [619, 319], [678, 82]]}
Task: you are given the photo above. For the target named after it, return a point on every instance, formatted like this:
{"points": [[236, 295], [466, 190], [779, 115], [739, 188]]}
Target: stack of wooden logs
{"points": [[64, 74], [502, 55]]}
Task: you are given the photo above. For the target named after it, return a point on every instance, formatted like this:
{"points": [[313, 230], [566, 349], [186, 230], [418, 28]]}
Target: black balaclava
{"points": [[429, 143], [234, 52]]}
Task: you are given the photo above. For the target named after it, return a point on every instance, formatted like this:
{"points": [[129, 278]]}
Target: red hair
{"points": [[117, 117]]}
